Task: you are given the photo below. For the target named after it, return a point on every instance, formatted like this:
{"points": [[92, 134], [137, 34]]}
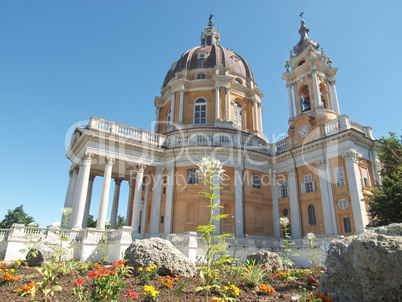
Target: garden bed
{"points": [[282, 291]]}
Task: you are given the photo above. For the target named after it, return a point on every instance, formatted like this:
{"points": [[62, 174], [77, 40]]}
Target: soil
{"points": [[29, 274]]}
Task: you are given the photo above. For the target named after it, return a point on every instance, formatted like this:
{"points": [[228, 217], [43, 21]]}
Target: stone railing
{"points": [[343, 123], [214, 138], [125, 132]]}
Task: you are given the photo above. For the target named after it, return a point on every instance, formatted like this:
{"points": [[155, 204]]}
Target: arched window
{"points": [[169, 117], [238, 115], [201, 76], [200, 112], [305, 99], [311, 215]]}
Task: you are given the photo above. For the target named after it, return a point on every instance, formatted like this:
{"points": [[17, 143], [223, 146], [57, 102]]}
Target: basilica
{"points": [[210, 105]]}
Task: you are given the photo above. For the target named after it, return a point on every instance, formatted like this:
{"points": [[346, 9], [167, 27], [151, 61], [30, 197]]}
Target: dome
{"points": [[210, 57]]}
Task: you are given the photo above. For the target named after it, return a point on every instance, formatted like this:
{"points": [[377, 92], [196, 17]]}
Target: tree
{"points": [[385, 205], [16, 216], [121, 221], [91, 222]]}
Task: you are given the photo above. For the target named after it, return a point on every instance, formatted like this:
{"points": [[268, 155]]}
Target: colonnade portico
{"points": [[80, 188]]}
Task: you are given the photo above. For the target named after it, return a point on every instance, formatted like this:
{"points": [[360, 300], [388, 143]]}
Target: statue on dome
{"points": [[211, 23]]}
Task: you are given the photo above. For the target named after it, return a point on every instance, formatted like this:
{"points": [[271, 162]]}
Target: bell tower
{"points": [[310, 80]]}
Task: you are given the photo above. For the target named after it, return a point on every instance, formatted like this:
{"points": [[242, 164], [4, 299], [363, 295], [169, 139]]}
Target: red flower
{"points": [[263, 267], [132, 295], [80, 281]]}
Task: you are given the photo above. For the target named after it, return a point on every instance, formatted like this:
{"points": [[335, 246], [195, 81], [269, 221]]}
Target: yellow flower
{"points": [[12, 270], [225, 288], [140, 269], [148, 269]]}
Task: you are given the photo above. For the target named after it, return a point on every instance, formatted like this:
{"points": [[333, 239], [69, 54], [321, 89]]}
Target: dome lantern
{"points": [[210, 36]]}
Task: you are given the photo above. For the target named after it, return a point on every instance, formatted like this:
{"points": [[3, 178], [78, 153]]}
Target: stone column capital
{"points": [[110, 161], [118, 181], [321, 164], [92, 177], [238, 169], [291, 172], [88, 157], [351, 156], [140, 168], [159, 169]]}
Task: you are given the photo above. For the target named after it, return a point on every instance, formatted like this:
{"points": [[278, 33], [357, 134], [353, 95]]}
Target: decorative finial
{"points": [[329, 62], [290, 54], [302, 20], [322, 50], [210, 23]]}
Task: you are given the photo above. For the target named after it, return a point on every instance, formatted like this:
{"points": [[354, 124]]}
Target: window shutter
{"points": [[278, 190], [313, 182], [303, 188]]}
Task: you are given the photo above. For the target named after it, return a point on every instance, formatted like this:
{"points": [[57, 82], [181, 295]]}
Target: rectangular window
{"points": [[339, 177], [284, 189], [192, 176], [256, 181], [346, 224], [164, 179], [162, 219], [309, 183], [365, 178], [164, 190]]}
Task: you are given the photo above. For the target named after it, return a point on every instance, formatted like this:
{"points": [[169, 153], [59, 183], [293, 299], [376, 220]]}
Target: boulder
{"points": [[167, 258], [45, 253], [366, 267], [270, 260]]}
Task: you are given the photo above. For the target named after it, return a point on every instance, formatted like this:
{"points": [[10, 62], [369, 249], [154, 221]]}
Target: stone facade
{"points": [[210, 106]]}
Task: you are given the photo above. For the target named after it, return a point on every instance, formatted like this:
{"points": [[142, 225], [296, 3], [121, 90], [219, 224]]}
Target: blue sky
{"points": [[63, 61]]}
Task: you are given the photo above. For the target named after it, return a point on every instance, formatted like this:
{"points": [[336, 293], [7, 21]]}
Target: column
{"points": [[157, 112], [294, 203], [255, 103], [169, 200], [327, 197], [82, 180], [88, 201], [73, 195], [275, 205], [115, 204], [104, 199], [135, 222], [335, 96], [145, 209], [68, 193], [181, 106], [172, 105], [260, 116], [356, 191], [239, 201], [317, 94], [217, 201], [130, 193], [156, 202], [228, 118], [290, 99], [217, 113]]}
